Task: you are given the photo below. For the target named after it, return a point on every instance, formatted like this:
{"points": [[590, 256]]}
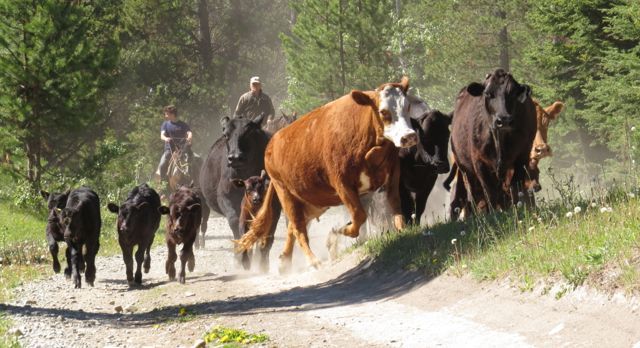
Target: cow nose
{"points": [[409, 140], [542, 149], [503, 121], [234, 157], [255, 200]]}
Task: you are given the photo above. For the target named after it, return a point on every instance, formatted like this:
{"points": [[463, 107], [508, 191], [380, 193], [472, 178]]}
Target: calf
{"points": [[138, 220], [55, 230], [185, 214], [421, 164], [254, 189], [81, 224]]}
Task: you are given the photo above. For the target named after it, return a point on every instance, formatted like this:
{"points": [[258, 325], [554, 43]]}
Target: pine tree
{"points": [[338, 45], [56, 59]]}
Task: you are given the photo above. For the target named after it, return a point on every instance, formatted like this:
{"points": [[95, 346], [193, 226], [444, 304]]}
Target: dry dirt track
{"points": [[348, 303]]}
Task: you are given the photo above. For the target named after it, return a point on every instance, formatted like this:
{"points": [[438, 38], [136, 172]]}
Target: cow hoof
{"points": [[67, 273], [315, 264], [90, 283], [56, 267], [191, 263], [264, 267], [172, 274], [138, 280], [284, 268], [246, 262], [182, 279]]}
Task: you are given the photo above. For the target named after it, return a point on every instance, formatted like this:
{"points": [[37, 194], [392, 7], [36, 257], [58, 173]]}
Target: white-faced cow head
{"points": [[392, 107]]}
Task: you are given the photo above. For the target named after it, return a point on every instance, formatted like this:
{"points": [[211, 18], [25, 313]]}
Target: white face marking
{"points": [[365, 183], [394, 103]]}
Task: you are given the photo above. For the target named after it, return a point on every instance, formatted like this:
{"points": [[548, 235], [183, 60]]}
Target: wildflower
{"points": [[463, 233], [531, 228], [519, 204], [632, 195], [606, 210], [413, 216], [569, 215], [577, 210], [453, 241], [540, 220], [633, 129], [519, 222], [520, 194], [593, 204]]}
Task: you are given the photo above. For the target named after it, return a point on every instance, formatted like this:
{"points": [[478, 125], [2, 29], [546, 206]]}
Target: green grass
{"points": [[601, 249], [229, 337]]}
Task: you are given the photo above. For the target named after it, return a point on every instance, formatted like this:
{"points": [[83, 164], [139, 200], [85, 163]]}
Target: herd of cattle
{"points": [[384, 142]]}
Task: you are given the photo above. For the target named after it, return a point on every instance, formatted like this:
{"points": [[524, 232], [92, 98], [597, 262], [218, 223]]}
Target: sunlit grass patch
{"points": [[229, 337], [577, 241]]}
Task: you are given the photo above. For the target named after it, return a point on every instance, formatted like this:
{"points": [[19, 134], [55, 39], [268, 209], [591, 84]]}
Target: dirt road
{"points": [[347, 303]]}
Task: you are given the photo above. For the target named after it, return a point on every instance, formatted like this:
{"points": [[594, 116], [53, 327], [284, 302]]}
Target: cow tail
{"points": [[261, 224]]}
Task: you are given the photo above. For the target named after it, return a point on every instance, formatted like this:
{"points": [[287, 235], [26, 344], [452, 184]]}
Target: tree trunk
{"points": [[503, 42], [343, 79], [205, 34]]}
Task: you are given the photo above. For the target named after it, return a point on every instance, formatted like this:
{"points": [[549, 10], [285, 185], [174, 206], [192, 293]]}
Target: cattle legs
{"points": [[169, 266], [75, 263], [53, 248], [139, 260], [186, 256], [206, 211], [67, 271], [127, 256], [90, 258], [147, 257]]}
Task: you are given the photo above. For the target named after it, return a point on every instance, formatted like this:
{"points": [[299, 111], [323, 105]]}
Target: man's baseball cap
{"points": [[255, 79]]}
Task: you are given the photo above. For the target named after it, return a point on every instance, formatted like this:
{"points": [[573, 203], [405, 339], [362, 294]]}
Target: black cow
{"points": [[138, 220], [185, 214], [239, 153], [82, 223], [492, 135], [421, 164], [55, 230]]}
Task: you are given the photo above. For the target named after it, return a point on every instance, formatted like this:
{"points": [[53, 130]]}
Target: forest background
{"points": [[83, 83]]}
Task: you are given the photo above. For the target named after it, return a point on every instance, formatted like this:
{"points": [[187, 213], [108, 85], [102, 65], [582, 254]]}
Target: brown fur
{"points": [[544, 116], [316, 162], [185, 214]]}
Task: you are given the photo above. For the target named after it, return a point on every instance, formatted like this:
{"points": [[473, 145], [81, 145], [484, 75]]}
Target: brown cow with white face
{"points": [[544, 116], [331, 156]]}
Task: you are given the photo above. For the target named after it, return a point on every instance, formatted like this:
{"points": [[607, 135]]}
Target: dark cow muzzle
{"points": [[503, 121], [235, 160]]}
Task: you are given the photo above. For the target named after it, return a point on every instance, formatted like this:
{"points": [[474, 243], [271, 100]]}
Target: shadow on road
{"points": [[364, 283]]}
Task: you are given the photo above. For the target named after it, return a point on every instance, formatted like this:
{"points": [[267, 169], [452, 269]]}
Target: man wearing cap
{"points": [[255, 102]]}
